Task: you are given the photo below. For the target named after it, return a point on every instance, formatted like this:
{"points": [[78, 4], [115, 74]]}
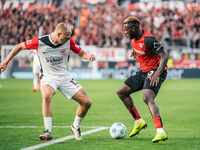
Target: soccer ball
{"points": [[118, 130]]}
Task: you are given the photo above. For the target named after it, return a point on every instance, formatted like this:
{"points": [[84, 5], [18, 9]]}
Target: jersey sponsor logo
{"points": [[140, 45], [140, 52], [63, 51], [54, 60]]}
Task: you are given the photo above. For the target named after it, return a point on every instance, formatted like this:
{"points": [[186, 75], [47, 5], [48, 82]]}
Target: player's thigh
{"points": [[155, 89], [47, 92], [135, 82], [69, 87], [48, 87]]}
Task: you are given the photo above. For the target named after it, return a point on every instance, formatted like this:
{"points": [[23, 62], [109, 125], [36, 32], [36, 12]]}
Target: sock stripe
{"points": [[135, 114], [161, 121], [132, 113]]}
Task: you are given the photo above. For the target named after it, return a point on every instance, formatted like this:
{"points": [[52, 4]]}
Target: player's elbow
{"points": [[19, 47], [166, 57]]}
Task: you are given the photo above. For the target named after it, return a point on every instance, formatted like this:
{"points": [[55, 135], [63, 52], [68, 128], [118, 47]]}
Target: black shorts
{"points": [[141, 81]]}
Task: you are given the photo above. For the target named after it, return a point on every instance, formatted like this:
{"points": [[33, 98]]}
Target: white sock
{"points": [[139, 120], [47, 123], [160, 130], [35, 81], [77, 122]]}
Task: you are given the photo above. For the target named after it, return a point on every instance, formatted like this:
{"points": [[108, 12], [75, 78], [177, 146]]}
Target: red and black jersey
{"points": [[147, 49]]}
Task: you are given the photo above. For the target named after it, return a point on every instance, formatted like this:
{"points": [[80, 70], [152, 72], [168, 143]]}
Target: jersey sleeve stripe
{"points": [[32, 44], [74, 47]]}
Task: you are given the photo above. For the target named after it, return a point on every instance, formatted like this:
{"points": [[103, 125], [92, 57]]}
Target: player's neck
{"points": [[140, 33], [53, 38]]}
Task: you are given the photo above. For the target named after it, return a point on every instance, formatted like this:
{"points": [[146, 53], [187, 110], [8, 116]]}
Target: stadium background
{"points": [[97, 27]]}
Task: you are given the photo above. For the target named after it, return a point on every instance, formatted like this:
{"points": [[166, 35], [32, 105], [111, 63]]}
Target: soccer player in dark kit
{"points": [[152, 59]]}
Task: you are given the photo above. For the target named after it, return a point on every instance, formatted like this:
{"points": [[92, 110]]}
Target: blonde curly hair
{"points": [[132, 20]]}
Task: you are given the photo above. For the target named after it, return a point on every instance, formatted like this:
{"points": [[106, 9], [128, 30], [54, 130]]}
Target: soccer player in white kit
{"points": [[53, 51], [36, 70]]}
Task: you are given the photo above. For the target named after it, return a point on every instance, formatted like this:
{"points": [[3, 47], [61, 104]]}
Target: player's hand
{"points": [[92, 57], [154, 80], [133, 54], [3, 66]]}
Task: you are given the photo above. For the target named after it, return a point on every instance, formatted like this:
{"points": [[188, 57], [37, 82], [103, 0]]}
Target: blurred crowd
{"points": [[174, 28], [17, 26], [102, 25]]}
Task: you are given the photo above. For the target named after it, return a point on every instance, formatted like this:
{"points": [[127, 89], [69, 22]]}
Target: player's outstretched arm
{"points": [[86, 56], [14, 52]]}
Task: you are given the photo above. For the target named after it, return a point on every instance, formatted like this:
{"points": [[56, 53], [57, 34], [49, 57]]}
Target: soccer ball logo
{"points": [[118, 130]]}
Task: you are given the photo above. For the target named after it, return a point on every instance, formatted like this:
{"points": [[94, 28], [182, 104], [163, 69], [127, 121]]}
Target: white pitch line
{"points": [[63, 139], [21, 127], [43, 126]]}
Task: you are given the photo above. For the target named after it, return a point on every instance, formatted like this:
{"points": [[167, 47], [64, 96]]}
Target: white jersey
{"points": [[53, 58]]}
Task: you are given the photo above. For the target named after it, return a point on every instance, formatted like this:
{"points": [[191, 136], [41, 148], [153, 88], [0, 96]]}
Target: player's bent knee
{"points": [[88, 104], [122, 95], [148, 99], [145, 99], [119, 93], [46, 98], [85, 102]]}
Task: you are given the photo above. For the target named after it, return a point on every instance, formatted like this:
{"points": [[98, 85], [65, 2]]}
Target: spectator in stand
{"points": [[17, 25], [174, 24], [103, 24], [195, 38]]}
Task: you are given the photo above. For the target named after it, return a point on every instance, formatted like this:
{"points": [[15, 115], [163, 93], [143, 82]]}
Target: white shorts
{"points": [[66, 84]]}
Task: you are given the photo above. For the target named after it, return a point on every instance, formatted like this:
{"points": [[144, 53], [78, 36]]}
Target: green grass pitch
{"points": [[178, 100]]}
